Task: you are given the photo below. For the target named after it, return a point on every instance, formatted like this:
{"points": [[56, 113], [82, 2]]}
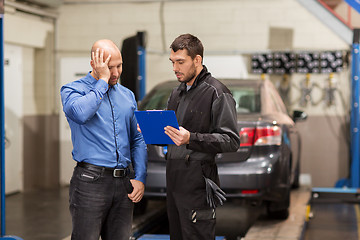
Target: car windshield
{"points": [[156, 100], [247, 99]]}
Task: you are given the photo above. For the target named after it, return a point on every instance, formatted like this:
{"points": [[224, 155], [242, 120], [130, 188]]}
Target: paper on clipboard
{"points": [[152, 124]]}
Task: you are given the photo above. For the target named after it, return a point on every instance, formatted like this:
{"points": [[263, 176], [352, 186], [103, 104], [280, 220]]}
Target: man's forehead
{"points": [[115, 62], [179, 54]]}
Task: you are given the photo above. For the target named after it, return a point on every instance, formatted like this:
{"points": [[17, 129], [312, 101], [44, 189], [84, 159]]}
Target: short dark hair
{"points": [[189, 42]]}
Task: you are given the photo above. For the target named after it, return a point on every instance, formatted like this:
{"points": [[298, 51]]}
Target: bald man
{"points": [[106, 143]]}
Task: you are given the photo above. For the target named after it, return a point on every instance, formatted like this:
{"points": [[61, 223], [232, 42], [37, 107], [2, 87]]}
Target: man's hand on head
{"points": [[100, 67]]}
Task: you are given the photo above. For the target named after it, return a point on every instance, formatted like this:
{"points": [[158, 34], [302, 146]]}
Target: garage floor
{"points": [[333, 221], [336, 214], [290, 229], [40, 215], [44, 215]]}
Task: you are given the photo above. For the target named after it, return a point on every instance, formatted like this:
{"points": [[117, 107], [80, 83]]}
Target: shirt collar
{"points": [[198, 80]]}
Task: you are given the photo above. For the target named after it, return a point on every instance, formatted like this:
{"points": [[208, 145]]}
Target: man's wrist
{"points": [[104, 79]]}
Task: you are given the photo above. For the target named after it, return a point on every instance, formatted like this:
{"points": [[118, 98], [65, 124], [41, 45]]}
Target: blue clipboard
{"points": [[152, 123]]}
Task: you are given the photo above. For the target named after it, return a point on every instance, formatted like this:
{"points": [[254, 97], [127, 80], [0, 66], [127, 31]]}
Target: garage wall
{"points": [[325, 134], [225, 28], [32, 130], [13, 117]]}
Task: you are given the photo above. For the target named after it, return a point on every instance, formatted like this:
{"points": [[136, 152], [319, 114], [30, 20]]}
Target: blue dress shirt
{"points": [[103, 125]]}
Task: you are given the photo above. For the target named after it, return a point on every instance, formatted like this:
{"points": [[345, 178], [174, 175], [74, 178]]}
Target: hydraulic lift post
{"points": [[353, 181], [347, 190], [142, 71], [2, 123], [354, 117]]}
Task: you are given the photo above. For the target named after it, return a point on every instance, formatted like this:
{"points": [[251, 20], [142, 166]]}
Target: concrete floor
{"points": [[38, 215], [44, 215], [289, 229]]}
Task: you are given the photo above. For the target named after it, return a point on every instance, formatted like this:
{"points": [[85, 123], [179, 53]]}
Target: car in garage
{"points": [[267, 164]]}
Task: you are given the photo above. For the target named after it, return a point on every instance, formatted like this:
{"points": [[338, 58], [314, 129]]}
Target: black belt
{"points": [[115, 172]]}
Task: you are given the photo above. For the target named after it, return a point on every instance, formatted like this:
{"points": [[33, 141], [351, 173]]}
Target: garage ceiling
{"points": [[44, 3], [57, 3], [125, 1]]}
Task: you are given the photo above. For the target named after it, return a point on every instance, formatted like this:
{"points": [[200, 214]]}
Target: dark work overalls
{"points": [[207, 111]]}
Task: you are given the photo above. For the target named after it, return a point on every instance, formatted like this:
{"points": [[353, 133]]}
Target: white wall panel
{"points": [[26, 30], [13, 82], [71, 69], [227, 66]]}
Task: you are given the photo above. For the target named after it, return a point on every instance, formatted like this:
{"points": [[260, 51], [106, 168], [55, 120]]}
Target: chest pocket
{"points": [[197, 120]]}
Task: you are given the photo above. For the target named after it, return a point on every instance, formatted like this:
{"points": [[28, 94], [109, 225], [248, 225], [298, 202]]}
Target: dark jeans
{"points": [[99, 205], [190, 216]]}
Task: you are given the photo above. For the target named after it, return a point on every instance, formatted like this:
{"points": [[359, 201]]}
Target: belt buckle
{"points": [[119, 172]]}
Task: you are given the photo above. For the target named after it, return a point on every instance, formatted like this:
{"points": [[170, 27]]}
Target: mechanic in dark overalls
{"points": [[206, 112]]}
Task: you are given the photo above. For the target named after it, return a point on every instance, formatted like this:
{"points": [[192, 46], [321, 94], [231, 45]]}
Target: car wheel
{"points": [[296, 183], [279, 210], [280, 215]]}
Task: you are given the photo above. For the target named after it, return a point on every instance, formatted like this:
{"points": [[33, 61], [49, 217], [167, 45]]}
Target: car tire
{"points": [[296, 183], [280, 215], [279, 210]]}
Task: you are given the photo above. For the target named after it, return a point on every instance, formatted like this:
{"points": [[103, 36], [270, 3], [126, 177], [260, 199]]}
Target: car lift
{"points": [[346, 190], [355, 114], [354, 180], [165, 237]]}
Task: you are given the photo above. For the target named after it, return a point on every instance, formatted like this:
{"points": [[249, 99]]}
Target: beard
{"points": [[189, 76], [113, 81]]}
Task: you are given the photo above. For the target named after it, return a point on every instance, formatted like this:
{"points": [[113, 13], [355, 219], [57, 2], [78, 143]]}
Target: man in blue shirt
{"points": [[105, 141]]}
